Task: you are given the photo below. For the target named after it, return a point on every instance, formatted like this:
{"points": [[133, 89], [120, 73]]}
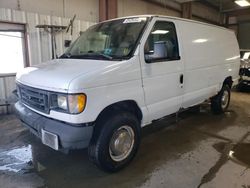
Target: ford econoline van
{"points": [[119, 76]]}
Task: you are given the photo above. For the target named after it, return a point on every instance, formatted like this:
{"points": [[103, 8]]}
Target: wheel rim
{"points": [[121, 143], [225, 99]]}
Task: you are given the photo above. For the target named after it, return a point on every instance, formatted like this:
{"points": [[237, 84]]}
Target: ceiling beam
{"points": [[107, 9], [208, 4], [112, 9], [237, 12], [103, 10], [186, 10]]}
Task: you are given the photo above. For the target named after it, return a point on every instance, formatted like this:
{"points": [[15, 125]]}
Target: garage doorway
{"points": [[14, 57]]}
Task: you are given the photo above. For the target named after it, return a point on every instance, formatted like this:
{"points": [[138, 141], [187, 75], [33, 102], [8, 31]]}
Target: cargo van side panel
{"points": [[210, 55]]}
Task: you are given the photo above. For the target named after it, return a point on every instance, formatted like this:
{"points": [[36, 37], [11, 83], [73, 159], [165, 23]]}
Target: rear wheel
{"points": [[116, 141], [220, 102]]}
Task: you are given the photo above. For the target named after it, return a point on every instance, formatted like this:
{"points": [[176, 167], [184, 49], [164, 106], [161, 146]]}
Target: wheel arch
{"points": [[126, 105], [228, 81]]}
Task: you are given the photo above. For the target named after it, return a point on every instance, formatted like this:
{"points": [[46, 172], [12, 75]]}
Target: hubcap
{"points": [[225, 99], [121, 143]]}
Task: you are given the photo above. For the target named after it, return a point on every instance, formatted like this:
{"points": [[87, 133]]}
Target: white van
{"points": [[119, 76]]}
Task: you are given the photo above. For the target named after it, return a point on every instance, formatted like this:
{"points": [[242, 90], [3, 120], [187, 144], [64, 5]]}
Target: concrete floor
{"points": [[191, 153]]}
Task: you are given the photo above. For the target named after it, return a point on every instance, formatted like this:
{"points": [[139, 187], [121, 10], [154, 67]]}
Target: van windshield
{"points": [[111, 40]]}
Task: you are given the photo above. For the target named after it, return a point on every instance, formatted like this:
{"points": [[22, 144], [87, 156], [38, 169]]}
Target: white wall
{"points": [[84, 9], [137, 7]]}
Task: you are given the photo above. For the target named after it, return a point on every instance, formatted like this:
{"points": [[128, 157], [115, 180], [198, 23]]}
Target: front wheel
{"points": [[116, 143], [220, 102]]}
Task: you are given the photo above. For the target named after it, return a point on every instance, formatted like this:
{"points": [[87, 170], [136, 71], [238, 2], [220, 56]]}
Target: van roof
{"points": [[170, 17]]}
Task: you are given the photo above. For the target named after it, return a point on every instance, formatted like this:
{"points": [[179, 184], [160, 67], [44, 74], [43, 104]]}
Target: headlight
{"points": [[72, 103], [62, 102], [76, 103]]}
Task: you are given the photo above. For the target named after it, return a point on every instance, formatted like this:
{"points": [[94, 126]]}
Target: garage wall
{"points": [[207, 13], [39, 41], [243, 35], [138, 7], [84, 9]]}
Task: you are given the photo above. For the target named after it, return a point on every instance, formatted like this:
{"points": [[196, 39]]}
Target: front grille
{"points": [[35, 98]]}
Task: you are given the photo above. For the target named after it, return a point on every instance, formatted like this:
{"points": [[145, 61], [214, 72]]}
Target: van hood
{"points": [[56, 75]]}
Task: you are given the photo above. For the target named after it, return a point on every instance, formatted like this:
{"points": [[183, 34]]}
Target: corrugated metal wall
{"points": [[39, 41]]}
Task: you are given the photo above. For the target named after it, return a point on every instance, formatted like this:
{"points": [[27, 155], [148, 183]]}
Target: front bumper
{"points": [[69, 136]]}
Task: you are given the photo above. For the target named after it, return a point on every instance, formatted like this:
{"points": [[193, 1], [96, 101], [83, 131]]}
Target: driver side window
{"points": [[162, 43]]}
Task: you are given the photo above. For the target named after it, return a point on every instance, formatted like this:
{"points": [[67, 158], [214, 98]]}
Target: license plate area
{"points": [[50, 139]]}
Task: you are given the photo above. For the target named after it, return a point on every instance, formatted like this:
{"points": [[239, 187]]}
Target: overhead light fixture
{"points": [[242, 3]]}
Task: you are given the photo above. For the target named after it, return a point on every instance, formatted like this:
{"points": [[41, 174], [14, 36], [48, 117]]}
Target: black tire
{"points": [[99, 148], [217, 104]]}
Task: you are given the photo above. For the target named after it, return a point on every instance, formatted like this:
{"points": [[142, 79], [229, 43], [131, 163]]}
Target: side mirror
{"points": [[160, 52], [67, 43]]}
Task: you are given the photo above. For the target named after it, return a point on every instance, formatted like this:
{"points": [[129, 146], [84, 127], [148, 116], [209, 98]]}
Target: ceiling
{"points": [[224, 5], [231, 9]]}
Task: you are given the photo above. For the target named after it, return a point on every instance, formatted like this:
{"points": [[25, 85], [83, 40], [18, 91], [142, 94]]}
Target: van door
{"points": [[162, 68]]}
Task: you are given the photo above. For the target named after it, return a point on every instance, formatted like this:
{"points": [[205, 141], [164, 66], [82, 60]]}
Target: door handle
{"points": [[181, 78]]}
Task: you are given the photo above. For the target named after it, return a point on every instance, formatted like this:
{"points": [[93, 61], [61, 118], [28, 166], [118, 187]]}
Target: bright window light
{"points": [[242, 3], [160, 32], [11, 49]]}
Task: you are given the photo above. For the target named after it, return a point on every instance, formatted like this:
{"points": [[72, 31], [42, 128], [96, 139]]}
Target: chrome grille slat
{"points": [[39, 101], [40, 96], [35, 98], [34, 103]]}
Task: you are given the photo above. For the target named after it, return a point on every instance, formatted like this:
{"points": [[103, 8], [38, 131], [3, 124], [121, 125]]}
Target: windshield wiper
{"points": [[66, 55], [87, 55]]}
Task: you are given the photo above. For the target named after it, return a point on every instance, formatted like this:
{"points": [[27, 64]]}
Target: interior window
{"points": [[162, 43]]}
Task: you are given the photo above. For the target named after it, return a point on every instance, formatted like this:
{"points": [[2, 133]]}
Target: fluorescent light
{"points": [[242, 3], [160, 32]]}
